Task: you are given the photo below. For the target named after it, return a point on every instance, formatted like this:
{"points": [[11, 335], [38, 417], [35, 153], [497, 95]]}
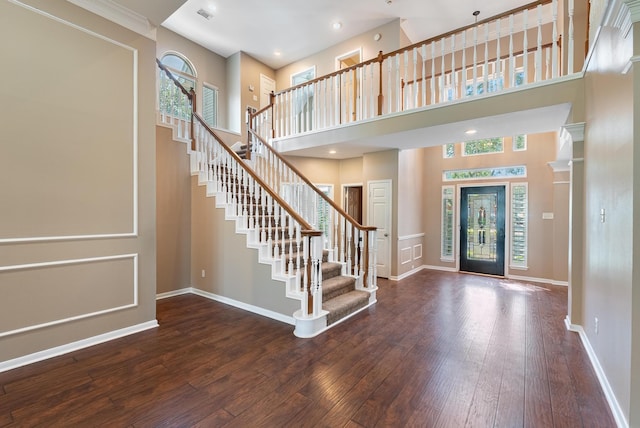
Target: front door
{"points": [[482, 212]]}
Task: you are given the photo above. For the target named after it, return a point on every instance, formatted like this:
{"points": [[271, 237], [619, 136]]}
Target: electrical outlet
{"points": [[203, 273], [596, 324]]}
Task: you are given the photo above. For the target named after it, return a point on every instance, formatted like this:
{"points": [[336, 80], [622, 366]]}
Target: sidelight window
{"points": [[519, 223]]}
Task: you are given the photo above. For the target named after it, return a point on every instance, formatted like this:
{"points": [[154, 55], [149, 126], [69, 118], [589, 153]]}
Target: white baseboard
{"points": [[540, 280], [406, 274], [173, 293], [419, 268], [442, 268], [74, 346], [618, 414], [245, 306]]}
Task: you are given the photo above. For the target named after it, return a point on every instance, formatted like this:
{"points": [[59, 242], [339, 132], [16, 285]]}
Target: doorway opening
{"points": [[349, 85], [353, 201], [482, 229]]}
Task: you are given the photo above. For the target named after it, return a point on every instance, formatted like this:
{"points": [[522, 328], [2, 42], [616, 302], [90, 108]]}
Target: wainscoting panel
{"points": [[84, 103], [405, 255], [57, 292]]}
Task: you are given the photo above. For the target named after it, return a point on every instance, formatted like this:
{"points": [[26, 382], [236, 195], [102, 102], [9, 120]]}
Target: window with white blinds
{"points": [[210, 105], [519, 223]]}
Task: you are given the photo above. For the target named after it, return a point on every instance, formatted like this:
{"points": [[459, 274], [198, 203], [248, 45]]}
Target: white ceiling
{"points": [[299, 28]]}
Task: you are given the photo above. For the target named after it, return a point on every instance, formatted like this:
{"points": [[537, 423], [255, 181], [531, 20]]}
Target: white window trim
{"points": [[217, 90], [513, 143]]}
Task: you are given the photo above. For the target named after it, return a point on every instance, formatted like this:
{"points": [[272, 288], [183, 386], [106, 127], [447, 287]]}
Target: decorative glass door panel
{"points": [[482, 229]]}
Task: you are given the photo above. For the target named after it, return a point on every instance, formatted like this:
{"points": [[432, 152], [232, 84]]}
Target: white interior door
{"points": [[267, 85], [379, 215]]}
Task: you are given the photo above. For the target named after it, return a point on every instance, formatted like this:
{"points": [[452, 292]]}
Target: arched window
{"points": [[171, 101], [178, 64]]}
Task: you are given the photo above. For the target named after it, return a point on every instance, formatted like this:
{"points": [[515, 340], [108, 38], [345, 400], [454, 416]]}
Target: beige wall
{"points": [[235, 119], [411, 209], [173, 213], [320, 171], [610, 177], [325, 61], [250, 70], [210, 68], [231, 269], [77, 178], [383, 166]]}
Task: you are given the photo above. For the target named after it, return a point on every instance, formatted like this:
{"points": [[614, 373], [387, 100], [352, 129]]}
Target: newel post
{"points": [[192, 96], [312, 302], [249, 127], [272, 103]]}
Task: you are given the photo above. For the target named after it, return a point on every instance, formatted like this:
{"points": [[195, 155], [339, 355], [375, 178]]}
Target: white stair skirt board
{"points": [[75, 346], [618, 414]]}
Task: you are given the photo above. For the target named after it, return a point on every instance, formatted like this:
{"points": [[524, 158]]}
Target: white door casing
{"points": [[379, 215]]}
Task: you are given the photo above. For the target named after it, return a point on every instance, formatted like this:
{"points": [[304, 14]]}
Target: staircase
{"points": [[277, 236], [325, 259]]}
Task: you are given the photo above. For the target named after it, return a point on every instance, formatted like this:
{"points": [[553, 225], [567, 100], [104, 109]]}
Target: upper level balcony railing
{"points": [[517, 48]]}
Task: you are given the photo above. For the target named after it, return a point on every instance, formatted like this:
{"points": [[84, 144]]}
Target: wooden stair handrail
{"points": [[306, 229], [313, 186], [381, 57]]}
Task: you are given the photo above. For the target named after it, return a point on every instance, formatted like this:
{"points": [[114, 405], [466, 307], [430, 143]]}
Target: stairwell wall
{"points": [[231, 269], [173, 213]]}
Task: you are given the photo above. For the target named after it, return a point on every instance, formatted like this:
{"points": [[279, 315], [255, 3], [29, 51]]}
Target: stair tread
{"points": [[345, 304], [337, 282], [336, 286]]}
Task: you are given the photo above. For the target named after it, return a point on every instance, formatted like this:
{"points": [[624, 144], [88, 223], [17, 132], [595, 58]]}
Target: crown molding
{"points": [[119, 14], [634, 9], [575, 130], [560, 165]]}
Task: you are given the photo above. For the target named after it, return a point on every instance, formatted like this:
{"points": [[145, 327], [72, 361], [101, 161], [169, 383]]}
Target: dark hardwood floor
{"points": [[438, 349]]}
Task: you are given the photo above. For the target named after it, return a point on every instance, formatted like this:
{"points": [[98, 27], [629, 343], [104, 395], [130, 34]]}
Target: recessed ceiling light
{"points": [[470, 131], [277, 53], [332, 152], [337, 25]]}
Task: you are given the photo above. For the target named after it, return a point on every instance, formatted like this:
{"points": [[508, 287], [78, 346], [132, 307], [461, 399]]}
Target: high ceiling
{"points": [[297, 28]]}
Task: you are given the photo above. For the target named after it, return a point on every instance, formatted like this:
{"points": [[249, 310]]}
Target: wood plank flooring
{"points": [[437, 350]]}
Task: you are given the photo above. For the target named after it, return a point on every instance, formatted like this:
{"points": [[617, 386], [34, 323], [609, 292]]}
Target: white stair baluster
{"points": [[453, 67], [433, 72], [475, 60], [554, 40], [423, 75], [512, 66], [498, 67], [443, 97], [525, 48], [538, 55], [571, 38], [463, 70], [485, 77]]}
